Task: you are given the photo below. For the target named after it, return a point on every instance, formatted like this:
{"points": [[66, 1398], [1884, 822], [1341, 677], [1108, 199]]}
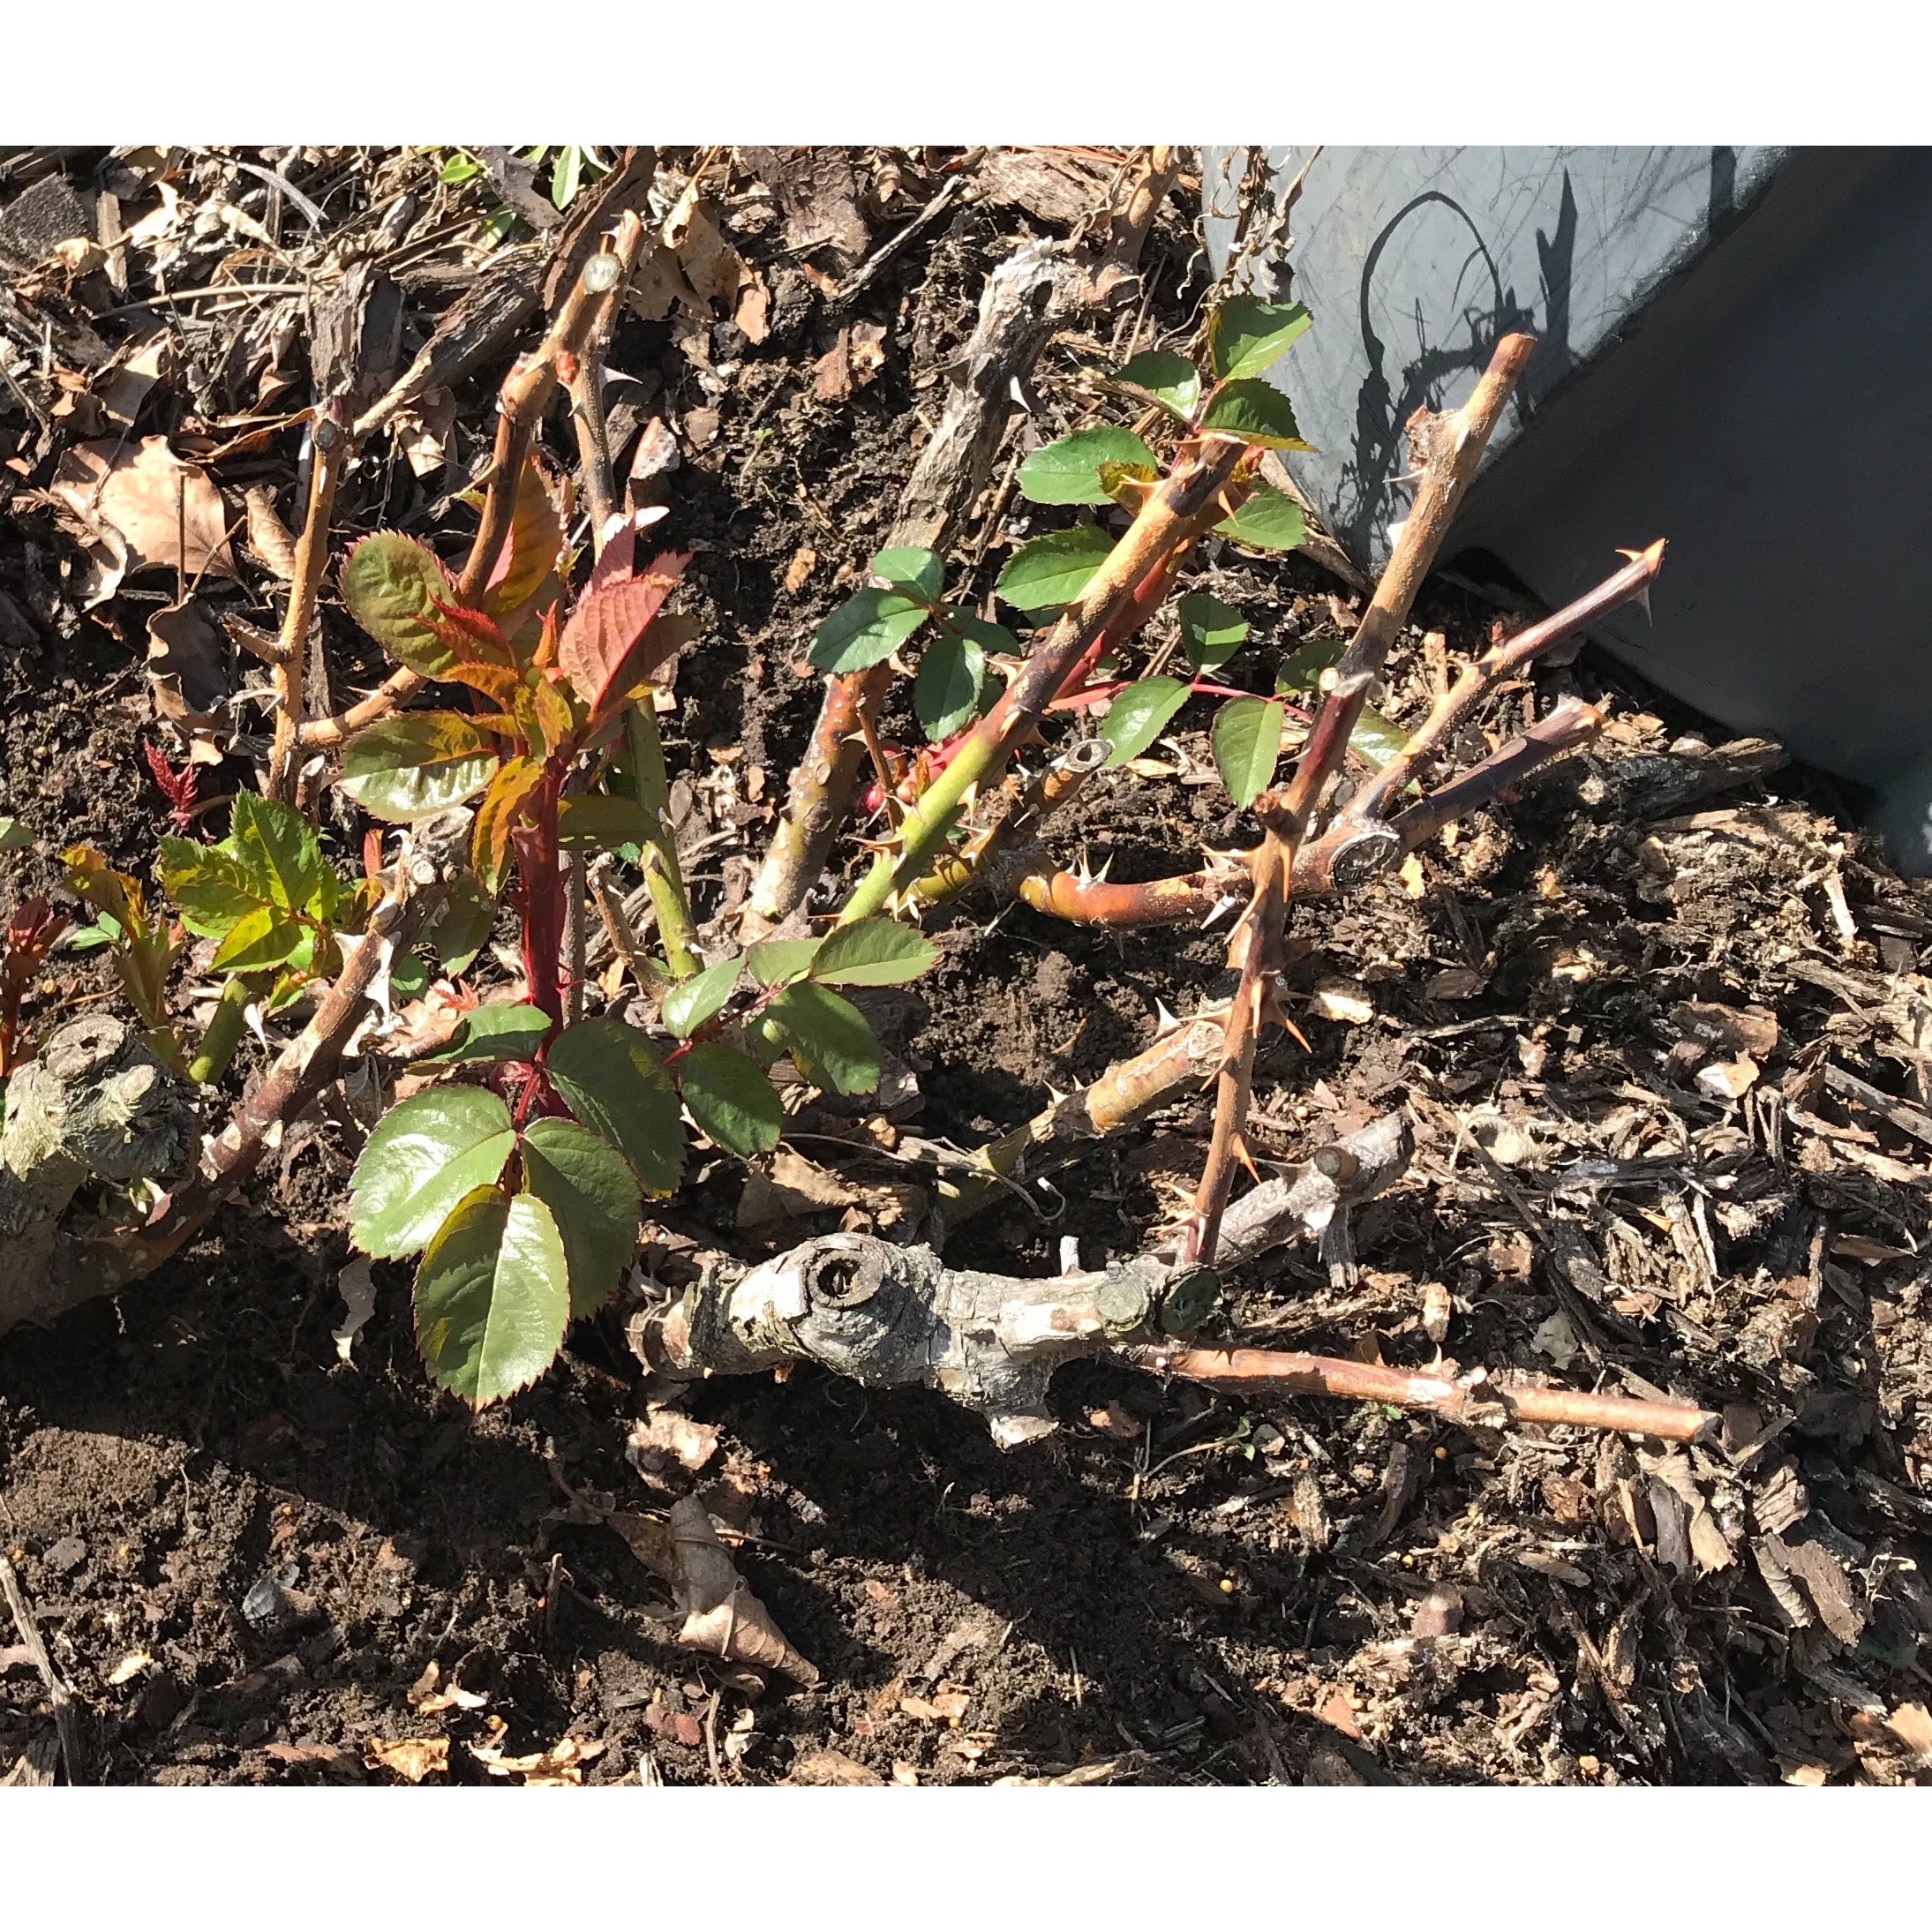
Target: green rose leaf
{"points": [[1247, 739], [280, 845], [828, 1037], [774, 961], [463, 927], [211, 888], [14, 837], [1172, 380], [918, 571], [591, 1193], [1256, 412], [865, 630], [1068, 471], [873, 952], [1269, 520], [492, 1296], [614, 1084], [498, 1031], [1247, 334], [264, 937], [1054, 569], [1211, 631], [692, 1002], [1302, 670], [946, 692], [424, 1155], [392, 586], [600, 822], [731, 1100], [417, 765], [1139, 715]]}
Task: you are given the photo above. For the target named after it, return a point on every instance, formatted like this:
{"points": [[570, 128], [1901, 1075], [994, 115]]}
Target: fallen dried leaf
{"points": [[358, 1287], [410, 1758], [721, 1615], [427, 1698], [1346, 1000], [1912, 1725], [136, 504], [561, 1764], [800, 568], [831, 1768], [668, 1436]]}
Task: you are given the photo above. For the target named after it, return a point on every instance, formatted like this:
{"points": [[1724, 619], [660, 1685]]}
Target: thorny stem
{"points": [[1376, 795], [1186, 1054], [1193, 898], [521, 402], [617, 926], [822, 783], [332, 449], [1570, 725], [1205, 485], [1447, 449]]}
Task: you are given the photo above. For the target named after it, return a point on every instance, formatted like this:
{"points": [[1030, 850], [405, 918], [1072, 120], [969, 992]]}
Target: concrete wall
{"points": [[1736, 347]]}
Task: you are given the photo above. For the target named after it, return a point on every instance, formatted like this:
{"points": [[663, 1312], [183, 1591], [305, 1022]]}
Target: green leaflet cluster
{"points": [[526, 1220]]}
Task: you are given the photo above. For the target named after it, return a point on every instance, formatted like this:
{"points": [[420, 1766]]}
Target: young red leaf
{"points": [[606, 646]]}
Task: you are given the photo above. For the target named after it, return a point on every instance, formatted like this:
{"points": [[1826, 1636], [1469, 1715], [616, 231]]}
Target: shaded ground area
{"points": [[1663, 1031]]}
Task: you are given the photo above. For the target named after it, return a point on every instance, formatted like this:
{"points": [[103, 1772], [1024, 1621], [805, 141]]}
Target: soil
{"points": [[245, 1549]]}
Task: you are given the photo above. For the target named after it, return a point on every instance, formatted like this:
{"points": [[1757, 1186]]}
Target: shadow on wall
{"points": [[1731, 354]]}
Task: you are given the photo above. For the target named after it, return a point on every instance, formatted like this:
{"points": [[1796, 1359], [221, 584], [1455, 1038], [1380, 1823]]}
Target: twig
{"points": [[331, 449], [1184, 1056], [1472, 1399], [1570, 725], [1372, 802], [65, 1721], [868, 271], [1447, 448]]}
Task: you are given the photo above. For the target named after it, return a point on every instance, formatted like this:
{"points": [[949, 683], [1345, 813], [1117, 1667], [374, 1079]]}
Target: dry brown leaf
{"points": [[752, 315], [269, 539], [721, 1615], [134, 501], [801, 567], [187, 669], [712, 266], [1912, 1725], [832, 374], [668, 1436], [794, 1186], [121, 389], [561, 1764], [410, 1758], [1346, 1000], [831, 1768], [428, 1696]]}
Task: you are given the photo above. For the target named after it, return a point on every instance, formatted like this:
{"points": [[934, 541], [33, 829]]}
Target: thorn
{"points": [[1164, 1022], [1106, 866], [1300, 1039], [1239, 1149], [1222, 909]]}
